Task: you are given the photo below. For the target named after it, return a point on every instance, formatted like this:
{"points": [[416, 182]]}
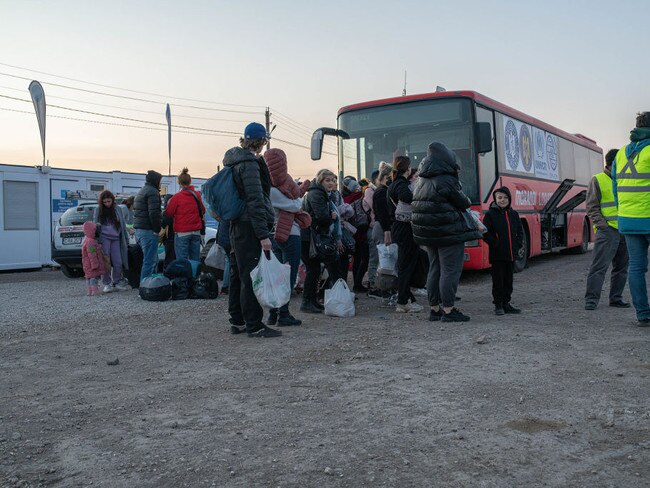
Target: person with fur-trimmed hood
{"points": [[505, 237]]}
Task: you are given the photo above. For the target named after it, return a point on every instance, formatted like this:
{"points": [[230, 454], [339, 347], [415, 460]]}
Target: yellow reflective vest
{"points": [[633, 191], [607, 201]]}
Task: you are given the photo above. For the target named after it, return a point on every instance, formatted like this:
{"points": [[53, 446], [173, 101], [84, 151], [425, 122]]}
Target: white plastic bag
{"points": [[271, 281], [339, 300], [477, 220], [216, 257], [387, 259]]}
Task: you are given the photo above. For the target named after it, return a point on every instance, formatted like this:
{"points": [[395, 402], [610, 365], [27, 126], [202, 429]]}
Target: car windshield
{"points": [[77, 215], [380, 133]]}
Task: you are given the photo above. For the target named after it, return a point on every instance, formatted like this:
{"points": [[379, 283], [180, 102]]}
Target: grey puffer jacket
{"points": [[147, 213], [121, 213], [439, 203], [252, 178]]}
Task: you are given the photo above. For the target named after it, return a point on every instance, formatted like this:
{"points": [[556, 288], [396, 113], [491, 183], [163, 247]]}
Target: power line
{"points": [[129, 90], [22, 90], [129, 119], [102, 122], [132, 98], [293, 120], [300, 145]]}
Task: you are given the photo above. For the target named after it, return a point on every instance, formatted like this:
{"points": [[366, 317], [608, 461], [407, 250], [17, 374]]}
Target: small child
{"points": [[505, 237], [92, 258]]}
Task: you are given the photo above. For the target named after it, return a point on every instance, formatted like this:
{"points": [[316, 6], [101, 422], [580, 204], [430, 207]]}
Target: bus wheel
{"points": [[522, 258], [584, 246]]}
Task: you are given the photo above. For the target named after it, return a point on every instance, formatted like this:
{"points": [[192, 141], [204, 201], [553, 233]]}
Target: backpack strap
{"points": [[198, 204]]}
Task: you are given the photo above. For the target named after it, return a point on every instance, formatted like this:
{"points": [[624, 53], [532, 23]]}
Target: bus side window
{"points": [[487, 161]]}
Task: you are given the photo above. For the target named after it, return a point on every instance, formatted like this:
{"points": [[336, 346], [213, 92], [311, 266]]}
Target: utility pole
{"points": [[267, 115], [404, 90]]}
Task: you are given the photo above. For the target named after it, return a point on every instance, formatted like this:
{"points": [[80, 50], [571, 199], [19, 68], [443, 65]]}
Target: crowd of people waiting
{"points": [[312, 224]]}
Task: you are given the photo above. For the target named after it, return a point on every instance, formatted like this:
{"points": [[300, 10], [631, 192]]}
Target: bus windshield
{"points": [[381, 133]]}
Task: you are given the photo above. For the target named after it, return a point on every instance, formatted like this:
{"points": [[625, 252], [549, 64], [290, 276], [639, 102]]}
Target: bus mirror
{"points": [[317, 140], [317, 144], [483, 137]]}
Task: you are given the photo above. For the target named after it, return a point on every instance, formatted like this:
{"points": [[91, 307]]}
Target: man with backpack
{"points": [[250, 232]]}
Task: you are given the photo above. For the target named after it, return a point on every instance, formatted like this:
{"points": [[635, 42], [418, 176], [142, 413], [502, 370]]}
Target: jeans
{"points": [[609, 248], [112, 249], [288, 252], [226, 274], [637, 248], [188, 247], [148, 241]]}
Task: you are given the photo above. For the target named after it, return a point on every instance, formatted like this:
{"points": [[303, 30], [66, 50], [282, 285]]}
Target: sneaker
{"points": [[498, 310], [435, 315], [375, 293], [507, 308], [454, 316], [590, 306], [360, 289], [108, 288], [288, 320], [619, 304], [237, 326], [122, 285], [409, 308], [265, 332], [419, 292], [644, 322], [310, 307], [273, 317]]}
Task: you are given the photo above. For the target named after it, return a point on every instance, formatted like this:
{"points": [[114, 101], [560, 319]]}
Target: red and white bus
{"points": [[546, 169]]}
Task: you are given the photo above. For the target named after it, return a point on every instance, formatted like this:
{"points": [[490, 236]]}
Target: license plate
{"points": [[72, 240]]}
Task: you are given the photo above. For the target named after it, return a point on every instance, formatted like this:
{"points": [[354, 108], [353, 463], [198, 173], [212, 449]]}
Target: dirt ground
{"points": [[557, 396]]}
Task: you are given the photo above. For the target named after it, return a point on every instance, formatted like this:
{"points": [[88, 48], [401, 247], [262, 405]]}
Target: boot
{"points": [[286, 319], [308, 306], [498, 309], [510, 309], [94, 290]]}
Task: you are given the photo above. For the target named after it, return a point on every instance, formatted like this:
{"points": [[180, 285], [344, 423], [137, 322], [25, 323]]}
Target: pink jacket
{"points": [[92, 257], [276, 160]]}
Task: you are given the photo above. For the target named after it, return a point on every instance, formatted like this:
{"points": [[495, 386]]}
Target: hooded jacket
{"points": [[317, 204], [439, 202], [147, 213], [183, 209], [92, 257], [276, 160], [504, 230], [254, 184]]}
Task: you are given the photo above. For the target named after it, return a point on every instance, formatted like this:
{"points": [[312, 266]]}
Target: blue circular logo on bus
{"points": [[526, 147], [512, 145], [551, 152]]}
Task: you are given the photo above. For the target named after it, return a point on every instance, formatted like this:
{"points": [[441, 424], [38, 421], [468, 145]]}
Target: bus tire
{"points": [[522, 259]]}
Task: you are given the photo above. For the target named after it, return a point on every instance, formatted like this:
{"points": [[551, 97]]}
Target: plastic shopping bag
{"points": [[339, 300], [387, 259], [216, 257], [477, 220], [271, 281]]}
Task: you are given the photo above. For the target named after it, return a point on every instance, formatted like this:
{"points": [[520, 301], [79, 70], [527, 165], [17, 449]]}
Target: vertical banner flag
{"points": [[168, 114], [38, 98]]}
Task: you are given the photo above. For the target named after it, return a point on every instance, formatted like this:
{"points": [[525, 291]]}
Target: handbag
{"points": [[403, 211], [198, 204], [322, 246]]}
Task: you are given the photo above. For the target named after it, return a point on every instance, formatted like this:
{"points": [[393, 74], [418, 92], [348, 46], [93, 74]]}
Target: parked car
{"points": [[68, 234]]}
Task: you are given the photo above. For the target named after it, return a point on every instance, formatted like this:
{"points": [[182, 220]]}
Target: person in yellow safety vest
{"points": [[609, 245], [631, 186]]}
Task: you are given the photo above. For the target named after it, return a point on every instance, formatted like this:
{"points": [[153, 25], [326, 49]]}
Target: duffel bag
{"points": [[155, 288]]}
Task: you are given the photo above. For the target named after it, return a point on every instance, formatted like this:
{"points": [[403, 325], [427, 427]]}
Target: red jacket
{"points": [[183, 209]]}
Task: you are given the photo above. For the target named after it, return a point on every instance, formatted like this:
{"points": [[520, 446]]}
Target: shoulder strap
{"points": [[198, 204]]}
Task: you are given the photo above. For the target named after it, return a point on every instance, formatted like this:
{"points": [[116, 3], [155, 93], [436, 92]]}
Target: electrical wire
{"points": [[118, 125], [22, 90], [129, 119], [132, 98], [129, 90]]}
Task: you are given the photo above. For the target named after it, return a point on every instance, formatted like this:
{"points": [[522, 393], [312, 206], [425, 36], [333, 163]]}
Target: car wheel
{"points": [[70, 272]]}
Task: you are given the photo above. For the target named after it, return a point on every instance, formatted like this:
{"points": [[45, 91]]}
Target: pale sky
{"points": [[578, 65]]}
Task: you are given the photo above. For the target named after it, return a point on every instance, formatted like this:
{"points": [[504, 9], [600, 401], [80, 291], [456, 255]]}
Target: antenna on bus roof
{"points": [[404, 90]]}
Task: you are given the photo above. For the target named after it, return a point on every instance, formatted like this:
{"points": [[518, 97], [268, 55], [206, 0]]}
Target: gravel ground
{"points": [[557, 396]]}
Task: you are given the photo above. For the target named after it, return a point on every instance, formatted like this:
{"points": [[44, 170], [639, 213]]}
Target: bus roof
{"points": [[483, 100]]}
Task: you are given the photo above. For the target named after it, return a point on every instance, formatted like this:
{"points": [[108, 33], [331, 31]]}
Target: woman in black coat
{"points": [[400, 198], [316, 203], [442, 225]]}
